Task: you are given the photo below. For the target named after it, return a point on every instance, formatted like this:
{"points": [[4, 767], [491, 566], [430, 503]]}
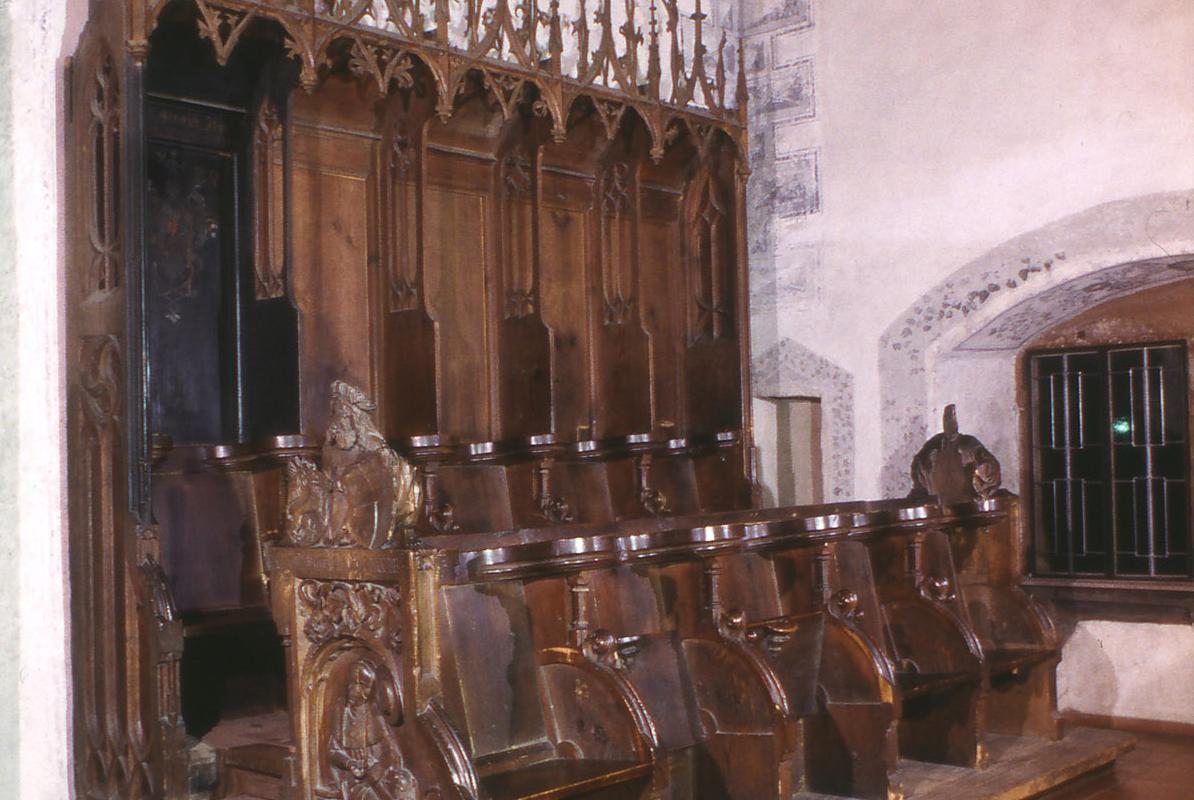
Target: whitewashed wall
{"points": [[34, 37], [934, 183]]}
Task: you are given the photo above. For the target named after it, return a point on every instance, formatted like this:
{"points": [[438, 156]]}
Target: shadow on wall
{"points": [[997, 302], [1086, 680]]}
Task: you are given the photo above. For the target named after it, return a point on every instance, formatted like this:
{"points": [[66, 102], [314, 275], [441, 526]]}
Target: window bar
{"points": [[1150, 504], [1069, 465]]}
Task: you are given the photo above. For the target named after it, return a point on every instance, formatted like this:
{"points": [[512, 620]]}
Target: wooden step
{"points": [[257, 770], [1020, 768]]}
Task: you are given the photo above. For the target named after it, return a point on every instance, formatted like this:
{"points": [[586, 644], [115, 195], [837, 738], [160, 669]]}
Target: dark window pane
{"points": [[1110, 462]]}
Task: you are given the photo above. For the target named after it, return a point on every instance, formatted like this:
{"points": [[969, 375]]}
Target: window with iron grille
{"points": [[1110, 461]]}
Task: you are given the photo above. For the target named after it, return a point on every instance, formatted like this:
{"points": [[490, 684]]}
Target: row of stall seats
{"points": [[488, 486], [734, 654]]}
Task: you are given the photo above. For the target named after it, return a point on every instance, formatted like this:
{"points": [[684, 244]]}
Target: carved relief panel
{"points": [[269, 204], [103, 151], [352, 707], [623, 382], [525, 347]]}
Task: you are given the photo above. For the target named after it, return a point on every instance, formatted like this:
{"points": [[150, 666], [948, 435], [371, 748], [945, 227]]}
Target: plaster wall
{"points": [[936, 132], [935, 183], [1128, 670], [33, 587]]}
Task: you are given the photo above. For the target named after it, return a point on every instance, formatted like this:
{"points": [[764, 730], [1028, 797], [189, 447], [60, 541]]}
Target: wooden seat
{"points": [[563, 777], [1019, 642]]}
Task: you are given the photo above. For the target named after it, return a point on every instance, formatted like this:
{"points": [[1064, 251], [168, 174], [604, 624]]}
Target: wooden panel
{"points": [[563, 270], [191, 248], [525, 357], [661, 284], [332, 206], [408, 390], [623, 373], [455, 248], [491, 635]]}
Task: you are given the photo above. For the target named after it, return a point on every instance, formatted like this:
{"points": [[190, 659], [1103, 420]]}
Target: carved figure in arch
{"points": [[365, 491], [365, 762], [954, 466]]}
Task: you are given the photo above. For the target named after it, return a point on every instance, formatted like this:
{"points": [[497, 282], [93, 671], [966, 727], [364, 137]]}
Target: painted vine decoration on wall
{"points": [[523, 49]]}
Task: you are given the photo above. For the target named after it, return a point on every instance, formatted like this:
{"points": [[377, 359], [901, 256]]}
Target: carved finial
{"points": [[741, 96], [581, 26], [442, 20], [721, 71], [679, 79], [654, 68], [555, 38]]}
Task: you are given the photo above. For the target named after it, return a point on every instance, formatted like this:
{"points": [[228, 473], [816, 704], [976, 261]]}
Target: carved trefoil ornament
{"points": [[363, 494]]}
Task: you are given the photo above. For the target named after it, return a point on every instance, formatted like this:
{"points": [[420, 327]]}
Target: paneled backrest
{"points": [[675, 476], [720, 481], [626, 601], [749, 584], [851, 572], [479, 495], [494, 670]]}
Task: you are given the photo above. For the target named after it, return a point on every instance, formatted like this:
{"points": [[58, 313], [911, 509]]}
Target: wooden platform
{"points": [[1020, 767]]}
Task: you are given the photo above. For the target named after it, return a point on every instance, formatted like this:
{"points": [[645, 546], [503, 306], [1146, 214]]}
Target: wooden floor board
{"points": [[1019, 768]]}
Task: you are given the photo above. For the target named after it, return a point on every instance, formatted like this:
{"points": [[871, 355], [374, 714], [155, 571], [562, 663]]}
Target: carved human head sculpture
{"points": [[949, 422], [349, 423], [360, 683]]}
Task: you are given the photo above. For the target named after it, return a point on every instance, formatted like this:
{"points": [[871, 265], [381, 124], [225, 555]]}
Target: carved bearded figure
{"points": [[363, 753], [364, 492], [954, 466]]}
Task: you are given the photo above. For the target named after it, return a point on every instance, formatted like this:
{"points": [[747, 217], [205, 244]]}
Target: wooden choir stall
{"points": [[410, 442]]}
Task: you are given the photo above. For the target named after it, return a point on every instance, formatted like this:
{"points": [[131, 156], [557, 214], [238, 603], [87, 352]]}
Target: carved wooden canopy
{"points": [[523, 49]]}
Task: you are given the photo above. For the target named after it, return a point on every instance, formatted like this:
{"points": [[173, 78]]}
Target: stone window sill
{"points": [[1165, 601]]}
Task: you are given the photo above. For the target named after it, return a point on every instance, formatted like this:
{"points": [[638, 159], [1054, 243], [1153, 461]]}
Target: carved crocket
{"points": [[364, 493], [954, 466]]}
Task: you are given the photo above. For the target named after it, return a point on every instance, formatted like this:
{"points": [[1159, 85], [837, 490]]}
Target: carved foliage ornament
{"points": [[338, 610], [364, 492], [509, 37]]}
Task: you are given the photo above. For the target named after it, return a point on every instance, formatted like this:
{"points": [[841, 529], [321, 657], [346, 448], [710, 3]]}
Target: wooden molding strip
{"points": [[1130, 724]]}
